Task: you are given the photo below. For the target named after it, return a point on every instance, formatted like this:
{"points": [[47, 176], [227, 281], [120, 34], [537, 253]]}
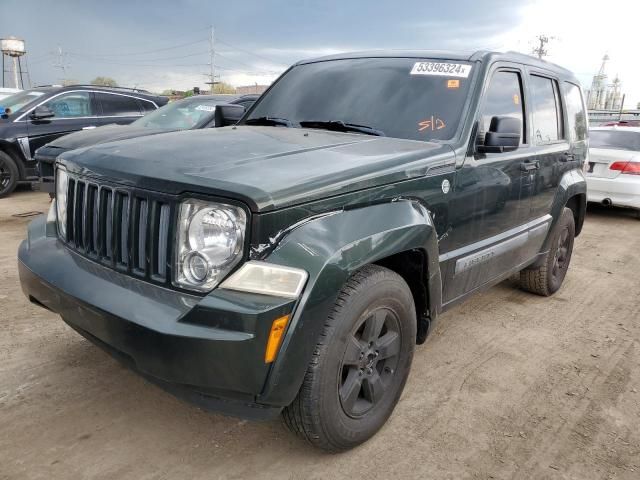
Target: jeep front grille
{"points": [[129, 230]]}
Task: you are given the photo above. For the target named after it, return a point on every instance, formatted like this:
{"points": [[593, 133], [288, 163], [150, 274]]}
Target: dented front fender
{"points": [[330, 249]]}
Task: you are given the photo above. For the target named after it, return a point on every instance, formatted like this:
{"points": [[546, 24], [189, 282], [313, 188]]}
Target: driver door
{"points": [[489, 207]]}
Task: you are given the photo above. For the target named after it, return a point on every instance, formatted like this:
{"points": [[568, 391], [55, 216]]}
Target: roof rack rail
{"points": [[127, 89]]}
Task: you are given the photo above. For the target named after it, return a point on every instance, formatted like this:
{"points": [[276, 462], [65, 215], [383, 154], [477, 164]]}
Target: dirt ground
{"points": [[510, 386]]}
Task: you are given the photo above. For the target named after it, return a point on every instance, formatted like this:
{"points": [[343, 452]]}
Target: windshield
{"points": [[616, 139], [21, 99], [396, 97], [180, 115]]}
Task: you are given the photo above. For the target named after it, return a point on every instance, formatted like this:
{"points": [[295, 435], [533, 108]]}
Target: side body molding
{"points": [[330, 249]]}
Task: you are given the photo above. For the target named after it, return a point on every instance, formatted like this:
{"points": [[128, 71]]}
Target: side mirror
{"points": [[503, 135], [41, 112], [228, 115]]}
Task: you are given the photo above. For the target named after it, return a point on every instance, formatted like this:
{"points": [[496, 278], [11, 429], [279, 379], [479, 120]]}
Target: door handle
{"points": [[90, 127], [568, 157], [529, 166]]}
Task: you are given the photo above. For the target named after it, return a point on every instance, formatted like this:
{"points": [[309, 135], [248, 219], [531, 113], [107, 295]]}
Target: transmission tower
{"points": [[61, 63], [540, 51]]}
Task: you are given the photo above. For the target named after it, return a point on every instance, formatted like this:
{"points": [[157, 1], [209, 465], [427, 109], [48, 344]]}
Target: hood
{"points": [[108, 133], [265, 167]]}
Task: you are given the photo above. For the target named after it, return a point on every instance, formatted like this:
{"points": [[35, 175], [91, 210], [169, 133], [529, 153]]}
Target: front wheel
{"points": [[360, 365], [546, 279], [9, 174]]}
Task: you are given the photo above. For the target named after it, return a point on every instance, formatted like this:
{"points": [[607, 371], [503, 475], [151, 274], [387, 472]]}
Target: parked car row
{"points": [[202, 111], [290, 263], [37, 117]]}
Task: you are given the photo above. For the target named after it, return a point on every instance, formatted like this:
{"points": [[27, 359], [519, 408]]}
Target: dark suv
{"points": [[292, 262], [31, 118]]}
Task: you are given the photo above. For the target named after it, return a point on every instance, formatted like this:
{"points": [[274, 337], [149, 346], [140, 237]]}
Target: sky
{"points": [[165, 44]]}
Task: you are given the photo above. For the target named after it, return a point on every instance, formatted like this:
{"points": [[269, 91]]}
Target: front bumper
{"points": [[623, 191], [209, 350]]}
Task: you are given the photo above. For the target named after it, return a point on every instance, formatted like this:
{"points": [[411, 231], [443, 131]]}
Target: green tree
{"points": [[104, 82], [223, 87]]}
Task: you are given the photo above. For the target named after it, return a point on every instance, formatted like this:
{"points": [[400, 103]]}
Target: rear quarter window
{"points": [[118, 105], [547, 124], [146, 106], [576, 115]]}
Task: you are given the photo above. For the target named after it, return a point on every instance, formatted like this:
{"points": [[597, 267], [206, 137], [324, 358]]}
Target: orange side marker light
{"points": [[275, 338]]}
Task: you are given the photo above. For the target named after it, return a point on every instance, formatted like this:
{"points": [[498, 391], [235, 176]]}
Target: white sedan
{"points": [[613, 171]]}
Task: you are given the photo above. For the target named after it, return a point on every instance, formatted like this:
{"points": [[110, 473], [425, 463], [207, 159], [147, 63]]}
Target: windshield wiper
{"points": [[268, 121], [340, 126]]}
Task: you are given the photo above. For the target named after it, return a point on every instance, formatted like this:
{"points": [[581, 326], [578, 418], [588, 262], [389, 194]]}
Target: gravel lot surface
{"points": [[510, 385]]}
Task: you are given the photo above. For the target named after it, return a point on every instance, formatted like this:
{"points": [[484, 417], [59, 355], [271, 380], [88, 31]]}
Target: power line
{"points": [[97, 59], [249, 52], [145, 52], [158, 49]]}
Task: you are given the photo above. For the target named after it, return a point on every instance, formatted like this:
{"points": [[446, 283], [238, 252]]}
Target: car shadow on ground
{"points": [[116, 391], [598, 210]]}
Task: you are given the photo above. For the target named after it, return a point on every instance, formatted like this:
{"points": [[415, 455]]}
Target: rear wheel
{"points": [[360, 366], [546, 279], [9, 174]]}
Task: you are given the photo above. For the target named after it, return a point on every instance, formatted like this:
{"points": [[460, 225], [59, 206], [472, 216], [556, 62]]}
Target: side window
{"points": [[71, 105], [503, 98], [118, 105], [146, 107], [547, 117], [575, 112]]}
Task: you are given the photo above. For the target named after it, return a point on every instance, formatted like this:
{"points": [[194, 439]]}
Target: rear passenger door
{"points": [[552, 150], [117, 108]]}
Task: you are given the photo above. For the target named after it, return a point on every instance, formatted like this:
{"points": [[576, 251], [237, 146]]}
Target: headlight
{"points": [[210, 242], [62, 188]]}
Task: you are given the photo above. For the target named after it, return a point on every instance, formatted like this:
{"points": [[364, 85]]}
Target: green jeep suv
{"points": [[290, 263]]}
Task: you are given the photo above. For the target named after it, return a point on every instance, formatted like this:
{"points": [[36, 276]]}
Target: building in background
{"points": [[603, 95], [244, 90]]}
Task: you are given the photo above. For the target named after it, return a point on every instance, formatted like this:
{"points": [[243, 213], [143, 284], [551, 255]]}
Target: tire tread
{"points": [[302, 417]]}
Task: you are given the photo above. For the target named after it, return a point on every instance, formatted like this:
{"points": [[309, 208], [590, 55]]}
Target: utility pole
{"points": [[212, 52], [61, 64], [540, 51]]}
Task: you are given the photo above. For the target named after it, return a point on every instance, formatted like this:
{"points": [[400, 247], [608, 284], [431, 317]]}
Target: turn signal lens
{"points": [[278, 327], [267, 279]]}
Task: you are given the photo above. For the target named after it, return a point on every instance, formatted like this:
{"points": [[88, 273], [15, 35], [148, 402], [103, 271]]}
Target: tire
{"points": [[9, 174], [546, 279], [360, 365]]}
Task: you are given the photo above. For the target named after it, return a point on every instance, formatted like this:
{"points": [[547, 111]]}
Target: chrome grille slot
{"points": [[163, 241], [91, 219], [78, 220], [122, 229], [128, 230]]}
